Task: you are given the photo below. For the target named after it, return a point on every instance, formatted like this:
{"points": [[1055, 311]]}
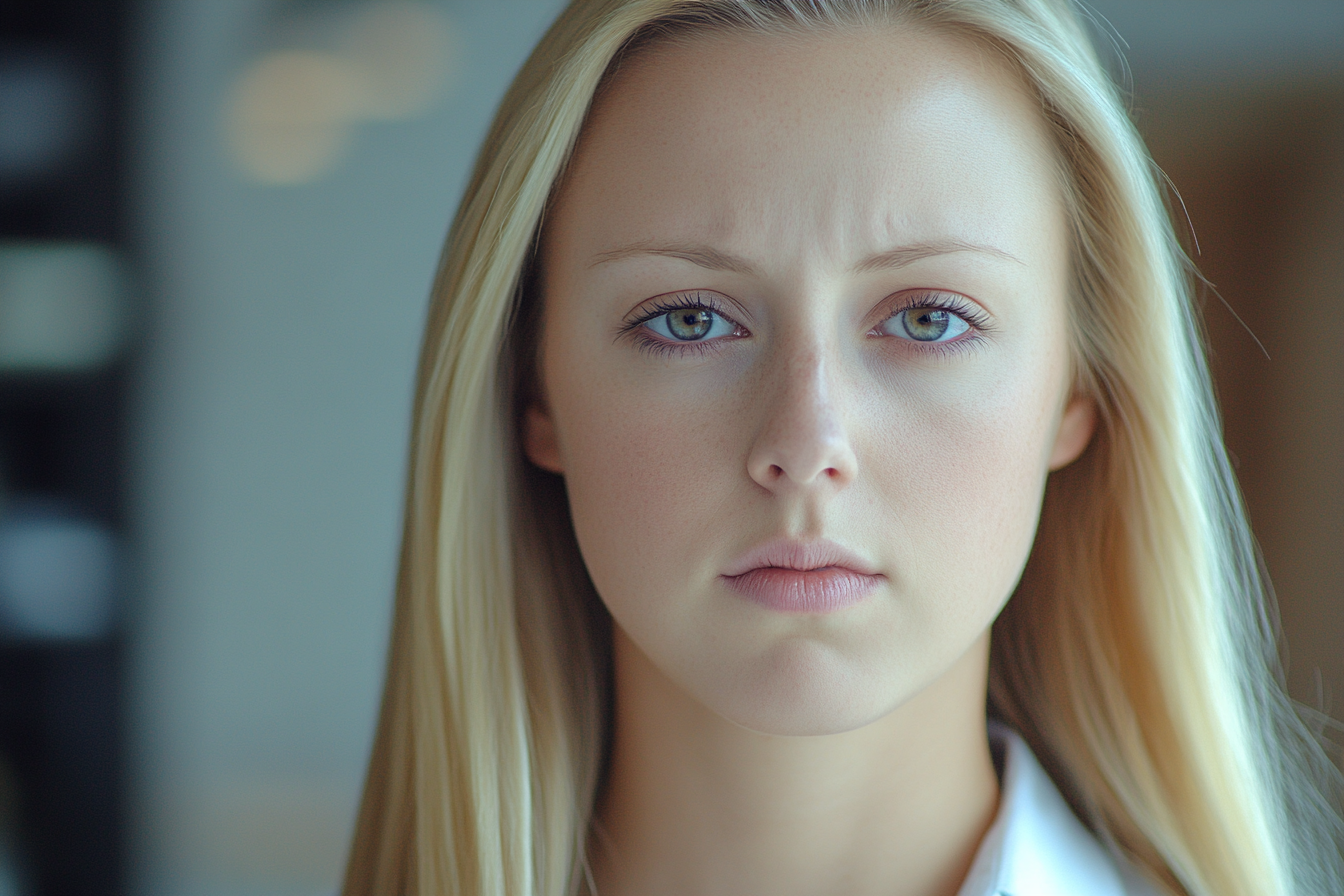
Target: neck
{"points": [[695, 804]]}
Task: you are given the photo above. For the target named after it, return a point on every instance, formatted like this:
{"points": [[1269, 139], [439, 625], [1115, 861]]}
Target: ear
{"points": [[539, 441], [1075, 431]]}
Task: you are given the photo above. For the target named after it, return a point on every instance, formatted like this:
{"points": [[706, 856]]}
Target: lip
{"points": [[802, 577]]}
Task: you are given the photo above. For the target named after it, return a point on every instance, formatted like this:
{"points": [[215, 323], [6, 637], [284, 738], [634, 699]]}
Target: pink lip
{"points": [[802, 577]]}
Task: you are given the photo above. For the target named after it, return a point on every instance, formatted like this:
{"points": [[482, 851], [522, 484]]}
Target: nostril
{"points": [[776, 471]]}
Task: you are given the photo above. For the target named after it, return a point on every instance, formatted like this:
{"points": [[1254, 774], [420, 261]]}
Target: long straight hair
{"points": [[1136, 656]]}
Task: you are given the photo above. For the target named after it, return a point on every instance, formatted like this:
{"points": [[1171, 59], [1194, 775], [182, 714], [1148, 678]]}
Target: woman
{"points": [[775, 346]]}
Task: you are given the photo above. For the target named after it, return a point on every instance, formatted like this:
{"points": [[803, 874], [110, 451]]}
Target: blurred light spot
{"points": [[43, 110], [61, 305], [405, 50], [292, 113], [56, 576]]}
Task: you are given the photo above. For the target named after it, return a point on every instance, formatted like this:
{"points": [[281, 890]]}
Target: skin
{"points": [[811, 187]]}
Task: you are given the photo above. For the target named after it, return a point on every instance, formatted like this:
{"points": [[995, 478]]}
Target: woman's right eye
{"points": [[691, 324]]}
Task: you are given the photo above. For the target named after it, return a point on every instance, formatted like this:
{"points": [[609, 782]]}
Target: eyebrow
{"points": [[715, 260]]}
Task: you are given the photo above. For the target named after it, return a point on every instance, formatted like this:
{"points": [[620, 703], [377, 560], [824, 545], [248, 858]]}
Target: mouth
{"points": [[802, 577]]}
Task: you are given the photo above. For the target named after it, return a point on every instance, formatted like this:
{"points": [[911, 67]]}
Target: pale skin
{"points": [[813, 200]]}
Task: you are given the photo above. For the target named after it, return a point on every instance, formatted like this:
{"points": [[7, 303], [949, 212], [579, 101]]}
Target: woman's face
{"points": [[804, 363]]}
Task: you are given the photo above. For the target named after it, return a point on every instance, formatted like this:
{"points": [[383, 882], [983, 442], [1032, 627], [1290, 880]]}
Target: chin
{"points": [[803, 689]]}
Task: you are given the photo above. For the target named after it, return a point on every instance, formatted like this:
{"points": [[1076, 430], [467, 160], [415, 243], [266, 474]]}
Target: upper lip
{"points": [[790, 553]]}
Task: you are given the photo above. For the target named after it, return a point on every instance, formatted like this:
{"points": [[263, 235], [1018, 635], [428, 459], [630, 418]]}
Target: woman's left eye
{"points": [[925, 325], [690, 324]]}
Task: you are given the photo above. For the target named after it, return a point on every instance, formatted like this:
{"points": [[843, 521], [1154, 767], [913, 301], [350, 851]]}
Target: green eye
{"points": [[689, 324], [925, 325]]}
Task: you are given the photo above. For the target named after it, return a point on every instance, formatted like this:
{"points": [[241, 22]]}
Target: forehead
{"points": [[833, 142]]}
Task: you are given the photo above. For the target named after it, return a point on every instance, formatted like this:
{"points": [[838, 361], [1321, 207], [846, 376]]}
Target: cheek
{"points": [[990, 426], [644, 474], [957, 477]]}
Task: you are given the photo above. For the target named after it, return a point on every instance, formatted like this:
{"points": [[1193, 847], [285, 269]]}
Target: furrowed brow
{"points": [[703, 256], [904, 255], [715, 260]]}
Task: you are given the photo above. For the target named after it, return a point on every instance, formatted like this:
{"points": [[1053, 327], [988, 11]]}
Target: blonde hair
{"points": [[1136, 656]]}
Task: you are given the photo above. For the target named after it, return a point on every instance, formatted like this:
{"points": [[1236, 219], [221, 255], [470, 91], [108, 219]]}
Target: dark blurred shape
{"points": [[13, 877], [63, 378], [44, 113]]}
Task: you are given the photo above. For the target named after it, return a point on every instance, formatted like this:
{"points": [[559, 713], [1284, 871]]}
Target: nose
{"points": [[802, 442]]}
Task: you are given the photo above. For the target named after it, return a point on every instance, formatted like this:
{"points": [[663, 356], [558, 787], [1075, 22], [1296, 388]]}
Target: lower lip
{"points": [[803, 590]]}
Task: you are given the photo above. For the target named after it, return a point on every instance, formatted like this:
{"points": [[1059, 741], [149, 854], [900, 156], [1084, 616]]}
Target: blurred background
{"points": [[218, 224]]}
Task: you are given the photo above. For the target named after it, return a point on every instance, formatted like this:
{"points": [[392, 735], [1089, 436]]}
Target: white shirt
{"points": [[1036, 846]]}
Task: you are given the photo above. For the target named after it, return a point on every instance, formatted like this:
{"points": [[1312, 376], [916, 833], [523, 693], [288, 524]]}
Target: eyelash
{"points": [[647, 341], [980, 322], [633, 328]]}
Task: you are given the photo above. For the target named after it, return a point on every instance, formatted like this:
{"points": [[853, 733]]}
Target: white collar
{"points": [[1036, 847]]}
